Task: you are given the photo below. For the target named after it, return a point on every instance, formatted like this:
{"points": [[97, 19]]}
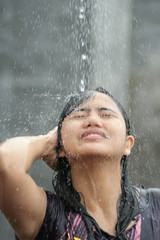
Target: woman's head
{"points": [[82, 104]]}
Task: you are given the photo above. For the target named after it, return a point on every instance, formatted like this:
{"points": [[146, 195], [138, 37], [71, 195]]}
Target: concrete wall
{"points": [[144, 92], [41, 62]]}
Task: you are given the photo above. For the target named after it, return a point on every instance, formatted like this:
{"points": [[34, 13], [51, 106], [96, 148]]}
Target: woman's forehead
{"points": [[101, 100]]}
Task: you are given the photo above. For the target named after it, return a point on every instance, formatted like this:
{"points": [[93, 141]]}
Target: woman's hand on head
{"points": [[49, 154]]}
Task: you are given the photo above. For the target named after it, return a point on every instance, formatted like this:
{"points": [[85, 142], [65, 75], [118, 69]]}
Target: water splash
{"points": [[84, 57], [82, 86]]}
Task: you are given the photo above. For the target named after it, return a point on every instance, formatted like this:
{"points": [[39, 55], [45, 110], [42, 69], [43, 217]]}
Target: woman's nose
{"points": [[93, 120]]}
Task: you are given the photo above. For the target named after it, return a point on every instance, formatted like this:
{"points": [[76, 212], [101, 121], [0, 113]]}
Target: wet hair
{"points": [[127, 206]]}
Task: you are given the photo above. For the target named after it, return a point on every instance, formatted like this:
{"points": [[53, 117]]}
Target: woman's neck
{"points": [[99, 185]]}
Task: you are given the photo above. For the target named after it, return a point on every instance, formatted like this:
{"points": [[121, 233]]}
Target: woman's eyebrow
{"points": [[98, 109], [82, 110], [107, 109]]}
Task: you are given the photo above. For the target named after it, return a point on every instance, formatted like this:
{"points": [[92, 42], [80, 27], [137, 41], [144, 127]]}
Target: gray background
{"points": [[50, 49]]}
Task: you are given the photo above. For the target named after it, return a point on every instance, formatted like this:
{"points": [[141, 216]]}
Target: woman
{"points": [[94, 199]]}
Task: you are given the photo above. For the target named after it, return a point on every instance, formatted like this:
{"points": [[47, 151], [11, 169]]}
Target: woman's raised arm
{"points": [[21, 200]]}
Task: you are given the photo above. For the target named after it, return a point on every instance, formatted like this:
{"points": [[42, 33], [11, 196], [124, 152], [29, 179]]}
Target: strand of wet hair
{"points": [[70, 198], [128, 203]]}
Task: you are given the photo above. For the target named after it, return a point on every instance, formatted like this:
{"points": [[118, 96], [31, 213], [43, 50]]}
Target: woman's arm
{"points": [[21, 200]]}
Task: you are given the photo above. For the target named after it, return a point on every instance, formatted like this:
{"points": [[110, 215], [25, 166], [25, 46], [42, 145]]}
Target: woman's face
{"points": [[95, 128]]}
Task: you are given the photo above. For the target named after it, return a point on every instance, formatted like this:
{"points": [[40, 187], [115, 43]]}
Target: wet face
{"points": [[95, 128]]}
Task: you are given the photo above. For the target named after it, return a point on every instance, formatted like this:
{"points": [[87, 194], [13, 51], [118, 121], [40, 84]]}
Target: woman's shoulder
{"points": [[150, 221], [154, 191], [150, 197], [55, 216], [154, 195], [151, 192]]}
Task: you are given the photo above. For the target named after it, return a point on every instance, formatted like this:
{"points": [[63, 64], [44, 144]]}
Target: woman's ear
{"points": [[129, 145]]}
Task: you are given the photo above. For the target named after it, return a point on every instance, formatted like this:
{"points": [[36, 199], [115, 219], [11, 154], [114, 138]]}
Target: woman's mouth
{"points": [[93, 134]]}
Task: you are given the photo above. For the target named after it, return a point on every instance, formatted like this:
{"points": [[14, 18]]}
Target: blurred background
{"points": [[51, 49]]}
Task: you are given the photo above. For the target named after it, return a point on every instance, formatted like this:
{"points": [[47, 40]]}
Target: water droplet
{"points": [[82, 43], [82, 9], [82, 82], [82, 85], [84, 57], [81, 16]]}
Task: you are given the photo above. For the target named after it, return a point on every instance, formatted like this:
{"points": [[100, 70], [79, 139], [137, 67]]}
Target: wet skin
{"points": [[95, 128]]}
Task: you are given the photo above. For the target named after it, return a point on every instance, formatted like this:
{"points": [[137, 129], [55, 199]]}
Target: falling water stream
{"points": [[50, 49], [83, 40]]}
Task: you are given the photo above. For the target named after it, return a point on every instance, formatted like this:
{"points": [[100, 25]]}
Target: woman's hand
{"points": [[49, 154]]}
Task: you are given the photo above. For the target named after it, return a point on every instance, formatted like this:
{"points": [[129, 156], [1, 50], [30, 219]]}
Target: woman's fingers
{"points": [[53, 131]]}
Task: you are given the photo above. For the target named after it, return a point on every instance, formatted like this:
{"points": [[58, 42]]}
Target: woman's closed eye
{"points": [[79, 114], [105, 115]]}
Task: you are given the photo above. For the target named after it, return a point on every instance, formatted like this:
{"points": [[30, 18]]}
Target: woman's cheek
{"points": [[118, 129], [67, 136]]}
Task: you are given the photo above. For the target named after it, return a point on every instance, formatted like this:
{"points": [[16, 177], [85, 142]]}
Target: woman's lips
{"points": [[93, 134]]}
